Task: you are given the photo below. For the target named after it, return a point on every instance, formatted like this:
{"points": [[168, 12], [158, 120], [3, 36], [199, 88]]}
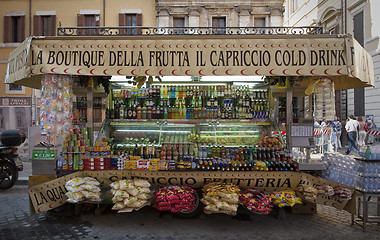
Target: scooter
{"points": [[10, 163]]}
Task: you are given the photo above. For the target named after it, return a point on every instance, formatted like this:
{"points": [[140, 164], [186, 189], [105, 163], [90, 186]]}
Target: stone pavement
{"points": [[148, 223]]}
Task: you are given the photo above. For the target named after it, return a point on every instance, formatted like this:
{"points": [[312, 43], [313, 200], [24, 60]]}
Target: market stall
{"points": [[198, 134]]}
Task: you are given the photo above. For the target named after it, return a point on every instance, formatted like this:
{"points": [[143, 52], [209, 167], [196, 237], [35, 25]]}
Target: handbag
{"points": [[366, 128]]}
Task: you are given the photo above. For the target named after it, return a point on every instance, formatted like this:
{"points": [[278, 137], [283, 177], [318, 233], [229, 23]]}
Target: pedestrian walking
{"points": [[337, 132], [371, 137], [362, 133], [352, 127]]}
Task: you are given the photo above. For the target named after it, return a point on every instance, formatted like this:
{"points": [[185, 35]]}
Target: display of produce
{"points": [[130, 194], [82, 189], [256, 201], [220, 198], [190, 102], [342, 193], [175, 199], [285, 198], [307, 192], [325, 190]]}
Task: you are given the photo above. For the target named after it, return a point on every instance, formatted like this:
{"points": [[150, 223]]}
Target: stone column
{"points": [[193, 17], [245, 18], [276, 16], [163, 18]]}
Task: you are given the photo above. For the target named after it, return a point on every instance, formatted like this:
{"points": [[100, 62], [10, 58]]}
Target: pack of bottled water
{"points": [[363, 175]]}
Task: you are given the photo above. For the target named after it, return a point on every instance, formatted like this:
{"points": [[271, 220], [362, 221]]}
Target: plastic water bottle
{"points": [[60, 161]]}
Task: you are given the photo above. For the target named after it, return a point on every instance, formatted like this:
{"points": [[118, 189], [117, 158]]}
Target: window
{"points": [[44, 25], [259, 22], [14, 29], [88, 20], [19, 117], [334, 30], [14, 89], [219, 25], [130, 20], [179, 23]]}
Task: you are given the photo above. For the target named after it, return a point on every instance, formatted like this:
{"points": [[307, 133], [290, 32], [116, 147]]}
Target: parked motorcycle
{"points": [[10, 163]]}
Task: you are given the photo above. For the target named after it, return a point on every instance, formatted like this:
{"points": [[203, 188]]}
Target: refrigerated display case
{"points": [[122, 133]]}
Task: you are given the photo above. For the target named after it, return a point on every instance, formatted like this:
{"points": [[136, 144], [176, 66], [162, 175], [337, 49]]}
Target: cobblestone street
{"points": [[16, 223]]}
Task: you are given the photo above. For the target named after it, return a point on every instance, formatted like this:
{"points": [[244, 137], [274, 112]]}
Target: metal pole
{"points": [[90, 103], [308, 115], [289, 111]]}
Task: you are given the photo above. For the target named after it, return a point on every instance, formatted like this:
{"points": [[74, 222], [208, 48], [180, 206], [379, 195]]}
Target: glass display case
{"points": [[230, 133]]}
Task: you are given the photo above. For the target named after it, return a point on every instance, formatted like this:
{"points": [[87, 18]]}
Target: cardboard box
{"points": [[305, 208]]}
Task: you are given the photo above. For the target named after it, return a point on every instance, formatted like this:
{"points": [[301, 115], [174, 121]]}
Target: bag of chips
{"points": [[141, 183]]}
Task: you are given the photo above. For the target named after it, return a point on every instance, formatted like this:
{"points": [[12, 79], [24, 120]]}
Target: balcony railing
{"points": [[132, 31]]}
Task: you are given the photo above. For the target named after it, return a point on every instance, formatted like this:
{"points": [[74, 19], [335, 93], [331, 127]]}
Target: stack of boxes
{"points": [[98, 157]]}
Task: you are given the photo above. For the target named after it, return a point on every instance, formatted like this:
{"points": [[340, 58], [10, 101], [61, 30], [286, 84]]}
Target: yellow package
{"points": [[105, 149], [77, 143], [153, 165], [101, 144], [132, 164]]}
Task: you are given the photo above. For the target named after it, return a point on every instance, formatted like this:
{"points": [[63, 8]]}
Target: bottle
{"points": [[138, 112], [143, 112], [134, 112], [173, 92], [166, 114], [149, 113], [367, 153]]}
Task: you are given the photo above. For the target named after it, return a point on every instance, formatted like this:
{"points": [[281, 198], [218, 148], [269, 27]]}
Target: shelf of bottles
{"points": [[190, 102], [193, 127], [189, 156]]}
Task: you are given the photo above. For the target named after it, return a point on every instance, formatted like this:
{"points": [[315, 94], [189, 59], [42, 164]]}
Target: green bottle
{"points": [[368, 153]]}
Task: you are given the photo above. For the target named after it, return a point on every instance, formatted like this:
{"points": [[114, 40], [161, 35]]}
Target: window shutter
{"points": [[37, 25], [7, 29], [80, 23], [139, 22], [122, 20], [97, 22], [21, 30], [53, 25]]}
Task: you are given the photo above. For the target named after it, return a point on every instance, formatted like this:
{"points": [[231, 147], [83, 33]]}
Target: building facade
{"points": [[356, 17], [201, 13], [23, 18]]}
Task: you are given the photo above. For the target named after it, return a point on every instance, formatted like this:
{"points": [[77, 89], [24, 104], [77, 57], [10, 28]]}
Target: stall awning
{"points": [[311, 56]]}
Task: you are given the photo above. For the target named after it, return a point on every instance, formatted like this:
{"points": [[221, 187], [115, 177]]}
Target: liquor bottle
{"points": [[134, 111], [200, 101]]}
